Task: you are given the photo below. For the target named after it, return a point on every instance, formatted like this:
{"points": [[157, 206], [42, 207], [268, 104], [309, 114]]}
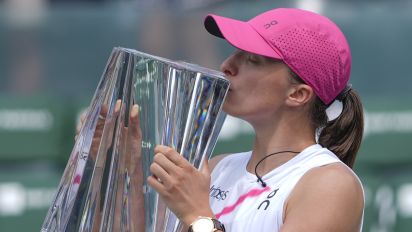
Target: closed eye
{"points": [[255, 59]]}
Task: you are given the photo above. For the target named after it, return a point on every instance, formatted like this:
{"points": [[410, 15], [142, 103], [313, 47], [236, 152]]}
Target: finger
{"points": [[135, 123], [79, 127], [83, 115], [155, 184], [158, 172], [102, 117], [99, 126], [205, 167], [172, 155], [103, 111], [82, 118], [117, 107], [161, 160]]}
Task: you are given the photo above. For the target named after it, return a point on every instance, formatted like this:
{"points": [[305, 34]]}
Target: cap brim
{"points": [[239, 34]]}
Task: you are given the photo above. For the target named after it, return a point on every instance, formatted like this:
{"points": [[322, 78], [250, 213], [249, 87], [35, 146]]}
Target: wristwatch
{"points": [[206, 224]]}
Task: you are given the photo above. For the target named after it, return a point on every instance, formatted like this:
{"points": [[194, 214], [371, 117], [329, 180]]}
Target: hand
{"points": [[130, 157], [100, 125], [134, 142], [184, 189]]}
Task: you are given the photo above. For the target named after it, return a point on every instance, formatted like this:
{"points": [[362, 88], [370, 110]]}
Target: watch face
{"points": [[203, 225]]}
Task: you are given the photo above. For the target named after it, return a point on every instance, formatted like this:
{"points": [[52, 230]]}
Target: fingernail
{"points": [[135, 110], [118, 105]]}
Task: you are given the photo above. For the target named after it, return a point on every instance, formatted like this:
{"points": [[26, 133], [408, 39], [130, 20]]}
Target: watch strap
{"points": [[217, 225]]}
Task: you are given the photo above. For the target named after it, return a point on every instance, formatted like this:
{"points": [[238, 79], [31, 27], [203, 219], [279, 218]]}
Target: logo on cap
{"points": [[271, 23]]}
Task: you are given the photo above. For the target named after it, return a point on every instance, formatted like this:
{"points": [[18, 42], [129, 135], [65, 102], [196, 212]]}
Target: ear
{"points": [[299, 95]]}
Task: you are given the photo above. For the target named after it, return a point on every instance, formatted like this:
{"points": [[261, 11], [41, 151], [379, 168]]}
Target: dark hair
{"points": [[342, 135]]}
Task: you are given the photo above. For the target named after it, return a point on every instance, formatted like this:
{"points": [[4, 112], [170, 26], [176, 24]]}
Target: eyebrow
{"points": [[260, 57]]}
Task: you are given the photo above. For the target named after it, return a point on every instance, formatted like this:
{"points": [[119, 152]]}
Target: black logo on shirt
{"points": [[265, 204], [217, 193]]}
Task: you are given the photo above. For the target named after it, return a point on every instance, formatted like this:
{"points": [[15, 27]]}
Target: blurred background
{"points": [[52, 53]]}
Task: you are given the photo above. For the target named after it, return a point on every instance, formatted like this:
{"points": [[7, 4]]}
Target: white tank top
{"points": [[242, 204]]}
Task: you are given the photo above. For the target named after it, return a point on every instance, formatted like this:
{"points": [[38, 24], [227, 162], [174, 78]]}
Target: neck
{"points": [[288, 134]]}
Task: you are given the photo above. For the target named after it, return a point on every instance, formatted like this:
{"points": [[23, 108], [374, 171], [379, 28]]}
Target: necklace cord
{"points": [[259, 178]]}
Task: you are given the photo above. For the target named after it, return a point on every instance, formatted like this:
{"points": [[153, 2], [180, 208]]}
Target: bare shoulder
{"points": [[215, 160], [327, 198], [336, 175]]}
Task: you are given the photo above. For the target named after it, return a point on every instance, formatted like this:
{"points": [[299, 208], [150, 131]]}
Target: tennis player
{"points": [[290, 80]]}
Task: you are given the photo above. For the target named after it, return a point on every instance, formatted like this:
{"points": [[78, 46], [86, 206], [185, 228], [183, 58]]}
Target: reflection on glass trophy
{"points": [[104, 187]]}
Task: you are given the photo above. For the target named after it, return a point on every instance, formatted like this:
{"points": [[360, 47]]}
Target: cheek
{"points": [[253, 102], [237, 104], [252, 95]]}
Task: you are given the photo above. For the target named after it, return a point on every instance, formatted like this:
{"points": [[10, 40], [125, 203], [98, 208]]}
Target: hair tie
{"points": [[344, 92], [334, 110]]}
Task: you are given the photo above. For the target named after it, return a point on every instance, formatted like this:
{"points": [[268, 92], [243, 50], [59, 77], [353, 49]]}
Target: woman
{"points": [[289, 80]]}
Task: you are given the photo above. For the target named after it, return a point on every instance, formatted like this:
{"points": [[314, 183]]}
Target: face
{"points": [[259, 85]]}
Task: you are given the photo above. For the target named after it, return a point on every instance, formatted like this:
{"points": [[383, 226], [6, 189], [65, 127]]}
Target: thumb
{"points": [[135, 122], [205, 167]]}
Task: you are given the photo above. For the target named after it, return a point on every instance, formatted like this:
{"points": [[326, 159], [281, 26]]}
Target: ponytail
{"points": [[343, 135]]}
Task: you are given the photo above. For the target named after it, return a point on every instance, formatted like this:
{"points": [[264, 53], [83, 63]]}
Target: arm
{"points": [[328, 198]]}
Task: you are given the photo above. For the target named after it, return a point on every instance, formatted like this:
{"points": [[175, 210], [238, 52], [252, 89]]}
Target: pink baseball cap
{"points": [[309, 43]]}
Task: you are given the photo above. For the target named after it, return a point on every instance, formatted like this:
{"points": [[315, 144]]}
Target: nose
{"points": [[229, 66]]}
